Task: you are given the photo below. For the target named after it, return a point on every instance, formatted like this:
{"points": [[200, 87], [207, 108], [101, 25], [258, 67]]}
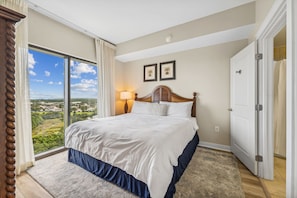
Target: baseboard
{"points": [[215, 146]]}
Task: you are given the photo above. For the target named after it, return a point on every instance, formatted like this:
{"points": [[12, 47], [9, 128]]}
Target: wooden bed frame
{"points": [[164, 93]]}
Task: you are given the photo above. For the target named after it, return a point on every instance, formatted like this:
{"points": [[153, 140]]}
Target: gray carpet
{"points": [[210, 174]]}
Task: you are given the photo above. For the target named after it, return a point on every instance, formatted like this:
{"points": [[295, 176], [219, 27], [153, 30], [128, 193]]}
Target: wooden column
{"points": [[8, 18]]}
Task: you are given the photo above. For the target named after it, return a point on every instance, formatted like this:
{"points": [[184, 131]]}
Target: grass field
{"points": [[48, 126]]}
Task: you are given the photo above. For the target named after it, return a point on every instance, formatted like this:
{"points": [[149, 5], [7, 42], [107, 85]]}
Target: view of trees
{"points": [[48, 121]]}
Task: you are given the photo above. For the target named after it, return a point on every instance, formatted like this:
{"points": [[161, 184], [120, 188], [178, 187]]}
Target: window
{"points": [[50, 109], [83, 89]]}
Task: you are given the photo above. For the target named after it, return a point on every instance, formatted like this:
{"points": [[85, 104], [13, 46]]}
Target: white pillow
{"points": [[149, 108], [179, 109]]}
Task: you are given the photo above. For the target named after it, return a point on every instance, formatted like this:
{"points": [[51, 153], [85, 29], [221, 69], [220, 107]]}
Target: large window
{"points": [[54, 101]]}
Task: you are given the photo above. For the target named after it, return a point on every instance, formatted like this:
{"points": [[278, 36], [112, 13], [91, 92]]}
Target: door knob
{"points": [[229, 109]]}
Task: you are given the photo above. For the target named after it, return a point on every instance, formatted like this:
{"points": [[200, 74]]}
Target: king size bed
{"points": [[145, 151]]}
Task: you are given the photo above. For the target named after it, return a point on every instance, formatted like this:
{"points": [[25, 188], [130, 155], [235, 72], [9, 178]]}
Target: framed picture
{"points": [[167, 70], [150, 72]]}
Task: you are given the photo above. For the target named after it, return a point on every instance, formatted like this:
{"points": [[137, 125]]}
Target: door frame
{"points": [[291, 176], [274, 22], [282, 12]]}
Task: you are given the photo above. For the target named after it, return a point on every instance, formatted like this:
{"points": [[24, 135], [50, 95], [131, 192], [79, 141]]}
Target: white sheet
{"points": [[145, 146]]}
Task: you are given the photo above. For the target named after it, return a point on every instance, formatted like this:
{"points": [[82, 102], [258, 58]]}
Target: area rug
{"points": [[210, 174]]}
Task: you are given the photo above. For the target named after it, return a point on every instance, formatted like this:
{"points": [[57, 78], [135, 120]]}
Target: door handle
{"points": [[229, 109], [238, 72]]}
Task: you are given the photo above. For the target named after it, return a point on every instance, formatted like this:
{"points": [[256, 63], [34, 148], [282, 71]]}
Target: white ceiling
{"points": [[118, 21]]}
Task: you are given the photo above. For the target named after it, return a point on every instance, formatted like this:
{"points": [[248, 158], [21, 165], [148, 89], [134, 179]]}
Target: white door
{"points": [[242, 110]]}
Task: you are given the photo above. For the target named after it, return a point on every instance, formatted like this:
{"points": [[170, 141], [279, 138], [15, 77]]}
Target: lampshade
{"points": [[125, 95]]}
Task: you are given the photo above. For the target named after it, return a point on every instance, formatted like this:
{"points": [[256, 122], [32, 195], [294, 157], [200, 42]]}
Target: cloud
{"points": [[55, 83], [57, 64], [31, 64], [31, 61], [74, 76], [32, 73], [85, 85], [81, 68], [37, 80], [82, 87], [89, 81], [40, 94], [47, 73]]}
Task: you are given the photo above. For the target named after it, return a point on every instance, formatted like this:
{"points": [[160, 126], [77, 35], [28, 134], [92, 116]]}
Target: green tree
{"points": [[36, 119]]}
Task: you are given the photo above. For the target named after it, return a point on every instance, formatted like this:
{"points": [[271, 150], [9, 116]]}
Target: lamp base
{"points": [[126, 107]]}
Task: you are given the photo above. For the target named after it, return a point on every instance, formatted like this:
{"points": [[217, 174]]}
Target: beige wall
{"points": [[232, 18], [205, 71], [262, 9], [49, 34]]}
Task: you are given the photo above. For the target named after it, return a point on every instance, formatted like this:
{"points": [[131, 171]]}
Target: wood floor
{"points": [[251, 184], [253, 187], [277, 187], [27, 187]]}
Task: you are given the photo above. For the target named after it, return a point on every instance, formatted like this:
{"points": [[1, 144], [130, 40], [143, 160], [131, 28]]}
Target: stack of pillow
{"points": [[175, 109]]}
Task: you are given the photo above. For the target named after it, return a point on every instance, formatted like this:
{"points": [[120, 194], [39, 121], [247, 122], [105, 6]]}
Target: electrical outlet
{"points": [[217, 129]]}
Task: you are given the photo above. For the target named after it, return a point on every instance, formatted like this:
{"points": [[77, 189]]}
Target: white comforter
{"points": [[144, 146]]}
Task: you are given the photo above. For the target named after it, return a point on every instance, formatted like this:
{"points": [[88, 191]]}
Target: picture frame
{"points": [[150, 72], [167, 70]]}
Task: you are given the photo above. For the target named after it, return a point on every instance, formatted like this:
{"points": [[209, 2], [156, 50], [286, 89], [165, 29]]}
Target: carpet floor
{"points": [[210, 173]]}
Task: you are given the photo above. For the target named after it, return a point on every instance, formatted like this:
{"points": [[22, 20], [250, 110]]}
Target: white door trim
{"points": [[273, 23], [291, 154]]}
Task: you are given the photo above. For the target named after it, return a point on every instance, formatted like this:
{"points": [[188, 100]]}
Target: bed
{"points": [[145, 151]]}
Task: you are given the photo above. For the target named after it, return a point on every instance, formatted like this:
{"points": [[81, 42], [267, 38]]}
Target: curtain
{"points": [[280, 108], [24, 144], [105, 54]]}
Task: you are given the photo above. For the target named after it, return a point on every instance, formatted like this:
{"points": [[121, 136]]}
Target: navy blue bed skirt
{"points": [[126, 181]]}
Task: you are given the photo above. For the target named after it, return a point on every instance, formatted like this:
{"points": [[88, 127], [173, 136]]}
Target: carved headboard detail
{"points": [[164, 93]]}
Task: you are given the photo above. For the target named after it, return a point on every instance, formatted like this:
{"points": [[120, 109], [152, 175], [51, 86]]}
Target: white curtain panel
{"points": [[280, 108], [105, 54], [23, 129]]}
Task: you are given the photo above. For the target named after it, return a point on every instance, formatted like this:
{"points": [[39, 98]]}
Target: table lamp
{"points": [[125, 95]]}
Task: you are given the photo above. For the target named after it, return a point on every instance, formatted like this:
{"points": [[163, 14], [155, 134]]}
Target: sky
{"points": [[46, 73]]}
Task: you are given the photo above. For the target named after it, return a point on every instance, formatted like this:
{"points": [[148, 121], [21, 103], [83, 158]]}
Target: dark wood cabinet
{"points": [[8, 18]]}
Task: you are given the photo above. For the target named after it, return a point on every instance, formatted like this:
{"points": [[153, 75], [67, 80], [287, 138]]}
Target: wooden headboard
{"points": [[164, 93]]}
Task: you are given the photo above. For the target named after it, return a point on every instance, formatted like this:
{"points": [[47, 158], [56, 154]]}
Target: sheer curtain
{"points": [[24, 144], [280, 108], [105, 54]]}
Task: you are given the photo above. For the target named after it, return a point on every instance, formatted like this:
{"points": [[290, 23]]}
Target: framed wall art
{"points": [[150, 72], [167, 70]]}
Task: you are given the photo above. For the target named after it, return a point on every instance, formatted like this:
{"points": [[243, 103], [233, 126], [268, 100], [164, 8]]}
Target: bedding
{"points": [[146, 146], [149, 108], [178, 109], [128, 182]]}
